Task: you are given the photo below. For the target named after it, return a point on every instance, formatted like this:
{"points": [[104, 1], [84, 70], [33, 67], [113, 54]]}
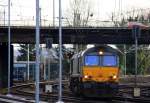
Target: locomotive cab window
{"points": [[109, 60], [91, 60]]}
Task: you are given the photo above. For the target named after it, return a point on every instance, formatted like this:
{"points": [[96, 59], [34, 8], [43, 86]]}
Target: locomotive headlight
{"points": [[86, 76], [114, 77], [101, 52]]}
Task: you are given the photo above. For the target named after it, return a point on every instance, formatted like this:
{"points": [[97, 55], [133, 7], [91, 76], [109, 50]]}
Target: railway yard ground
{"points": [[24, 93]]}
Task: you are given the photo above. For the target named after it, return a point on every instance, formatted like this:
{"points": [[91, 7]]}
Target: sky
{"points": [[101, 9]]}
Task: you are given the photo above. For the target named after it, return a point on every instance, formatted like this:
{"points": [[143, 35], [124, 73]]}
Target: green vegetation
{"points": [[143, 59], [24, 52]]}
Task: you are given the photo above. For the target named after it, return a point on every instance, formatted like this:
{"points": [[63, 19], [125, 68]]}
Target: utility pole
{"points": [[44, 61], [60, 54], [28, 63], [9, 48], [4, 12], [37, 52], [40, 17], [53, 13], [4, 16], [125, 59]]}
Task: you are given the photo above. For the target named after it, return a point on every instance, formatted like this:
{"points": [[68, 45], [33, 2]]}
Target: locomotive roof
{"points": [[105, 48]]}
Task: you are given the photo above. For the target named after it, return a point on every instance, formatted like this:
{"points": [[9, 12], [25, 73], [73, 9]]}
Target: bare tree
{"points": [[79, 12], [134, 15]]}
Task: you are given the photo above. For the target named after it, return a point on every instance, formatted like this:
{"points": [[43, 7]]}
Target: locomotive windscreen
{"points": [[91, 60], [109, 60], [105, 60]]}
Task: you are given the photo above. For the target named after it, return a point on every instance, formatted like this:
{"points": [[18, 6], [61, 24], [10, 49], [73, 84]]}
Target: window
{"points": [[109, 61], [91, 60]]}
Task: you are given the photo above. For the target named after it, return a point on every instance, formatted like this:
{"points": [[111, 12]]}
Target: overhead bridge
{"points": [[74, 35]]}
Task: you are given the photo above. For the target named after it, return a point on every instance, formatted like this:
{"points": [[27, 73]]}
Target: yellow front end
{"points": [[100, 81], [100, 74]]}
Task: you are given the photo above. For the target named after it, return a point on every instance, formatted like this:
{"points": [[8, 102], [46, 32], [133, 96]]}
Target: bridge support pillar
{"points": [[4, 66]]}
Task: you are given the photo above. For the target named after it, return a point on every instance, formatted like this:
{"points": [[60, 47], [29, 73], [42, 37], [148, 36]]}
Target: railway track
{"points": [[125, 95], [50, 97], [71, 99], [12, 99], [132, 100]]}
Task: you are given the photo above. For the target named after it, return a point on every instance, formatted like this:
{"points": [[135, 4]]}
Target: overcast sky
{"points": [[25, 9]]}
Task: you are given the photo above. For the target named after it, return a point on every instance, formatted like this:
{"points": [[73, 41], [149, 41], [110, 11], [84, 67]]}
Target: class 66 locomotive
{"points": [[94, 72]]}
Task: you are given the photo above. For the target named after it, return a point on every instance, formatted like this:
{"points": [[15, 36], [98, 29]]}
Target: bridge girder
{"points": [[70, 35]]}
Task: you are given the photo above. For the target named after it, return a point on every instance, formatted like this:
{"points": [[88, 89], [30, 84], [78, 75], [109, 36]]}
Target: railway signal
{"points": [[49, 42], [136, 33]]}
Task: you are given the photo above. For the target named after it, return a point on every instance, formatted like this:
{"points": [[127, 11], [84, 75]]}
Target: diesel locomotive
{"points": [[94, 72]]}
